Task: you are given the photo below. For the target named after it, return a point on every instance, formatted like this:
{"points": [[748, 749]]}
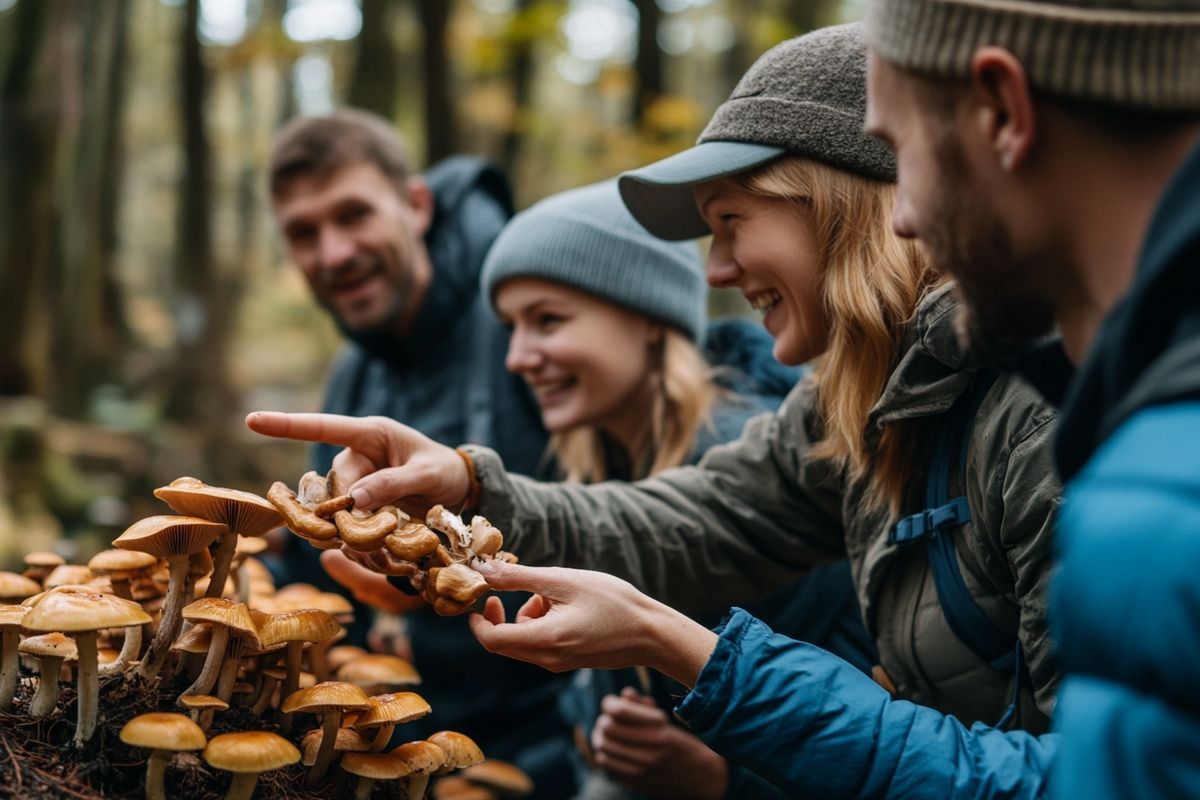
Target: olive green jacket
{"points": [[756, 512]]}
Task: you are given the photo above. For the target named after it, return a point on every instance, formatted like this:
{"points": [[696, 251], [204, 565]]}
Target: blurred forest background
{"points": [[145, 304]]}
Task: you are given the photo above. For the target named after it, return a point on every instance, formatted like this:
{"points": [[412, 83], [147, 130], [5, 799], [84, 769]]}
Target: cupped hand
{"points": [[366, 585], [384, 461], [579, 618], [637, 744]]}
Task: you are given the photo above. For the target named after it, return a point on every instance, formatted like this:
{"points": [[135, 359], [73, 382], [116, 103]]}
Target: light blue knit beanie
{"points": [[586, 239]]}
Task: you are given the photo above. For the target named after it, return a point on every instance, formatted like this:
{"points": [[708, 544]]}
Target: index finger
{"points": [[328, 428]]}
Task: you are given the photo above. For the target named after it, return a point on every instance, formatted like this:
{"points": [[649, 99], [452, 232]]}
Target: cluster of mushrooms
{"points": [[182, 600], [435, 555]]}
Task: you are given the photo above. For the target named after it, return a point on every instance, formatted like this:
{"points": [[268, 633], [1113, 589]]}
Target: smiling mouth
{"points": [[764, 301], [548, 390]]}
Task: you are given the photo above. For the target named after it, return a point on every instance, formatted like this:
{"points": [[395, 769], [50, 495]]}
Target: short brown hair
{"points": [[319, 146]]}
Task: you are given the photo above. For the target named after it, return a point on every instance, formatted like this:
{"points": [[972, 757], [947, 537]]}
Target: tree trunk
{"points": [[440, 127], [649, 63], [521, 76], [373, 83]]}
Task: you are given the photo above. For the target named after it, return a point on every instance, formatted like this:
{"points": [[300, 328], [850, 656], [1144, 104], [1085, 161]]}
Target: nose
{"points": [[335, 248], [523, 356], [722, 270], [901, 224]]}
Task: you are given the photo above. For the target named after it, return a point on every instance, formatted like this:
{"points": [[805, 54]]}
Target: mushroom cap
{"points": [[163, 731], [461, 750], [378, 669], [196, 639], [422, 757], [17, 586], [347, 742], [499, 775], [202, 702], [375, 766], [396, 708], [55, 645], [108, 562], [250, 545], [250, 751], [223, 611], [325, 696], [452, 787], [306, 625], [12, 615], [243, 512], [43, 559], [328, 602], [165, 536], [343, 653], [89, 610]]}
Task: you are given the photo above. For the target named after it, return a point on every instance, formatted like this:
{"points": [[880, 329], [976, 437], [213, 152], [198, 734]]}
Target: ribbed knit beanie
{"points": [[806, 96], [586, 239], [1135, 54]]}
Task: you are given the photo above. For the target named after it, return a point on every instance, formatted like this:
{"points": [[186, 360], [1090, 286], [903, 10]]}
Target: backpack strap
{"points": [[935, 525]]}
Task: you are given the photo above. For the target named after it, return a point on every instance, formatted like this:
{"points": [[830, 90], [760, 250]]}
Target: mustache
{"points": [[349, 272]]}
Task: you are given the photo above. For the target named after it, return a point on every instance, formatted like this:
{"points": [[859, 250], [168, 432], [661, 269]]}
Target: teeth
{"points": [[762, 302]]}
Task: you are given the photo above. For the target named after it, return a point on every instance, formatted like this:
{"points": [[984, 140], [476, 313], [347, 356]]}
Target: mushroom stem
{"points": [[241, 583], [172, 616], [363, 791], [292, 681], [222, 556], [414, 787], [383, 736], [330, 721], [212, 662], [242, 786], [129, 651], [156, 766], [317, 660], [9, 665], [265, 693], [46, 696], [229, 669], [88, 686]]}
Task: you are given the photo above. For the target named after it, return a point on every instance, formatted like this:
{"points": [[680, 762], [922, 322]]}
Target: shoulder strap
{"points": [[935, 525]]}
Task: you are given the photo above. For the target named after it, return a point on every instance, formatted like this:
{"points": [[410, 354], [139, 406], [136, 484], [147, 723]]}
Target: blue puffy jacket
{"points": [[1126, 603]]}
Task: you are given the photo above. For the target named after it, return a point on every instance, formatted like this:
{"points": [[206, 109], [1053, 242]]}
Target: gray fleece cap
{"points": [[585, 239], [806, 96]]}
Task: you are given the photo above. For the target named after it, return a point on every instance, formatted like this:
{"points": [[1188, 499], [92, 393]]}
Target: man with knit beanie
{"points": [[1048, 159]]}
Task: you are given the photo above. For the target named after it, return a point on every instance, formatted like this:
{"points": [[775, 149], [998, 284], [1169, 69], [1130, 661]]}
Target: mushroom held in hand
{"points": [[246, 755], [164, 734]]}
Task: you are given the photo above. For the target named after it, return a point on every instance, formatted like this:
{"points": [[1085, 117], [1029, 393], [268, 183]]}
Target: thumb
{"points": [[516, 577], [384, 486]]}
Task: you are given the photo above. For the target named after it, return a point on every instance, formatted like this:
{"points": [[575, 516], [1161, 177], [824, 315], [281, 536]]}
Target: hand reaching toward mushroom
{"points": [[384, 461], [368, 586], [579, 618], [635, 743]]}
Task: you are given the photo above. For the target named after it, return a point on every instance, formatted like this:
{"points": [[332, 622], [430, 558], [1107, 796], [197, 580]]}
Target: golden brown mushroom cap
{"points": [[305, 625], [461, 750], [250, 545], [422, 757], [43, 559], [246, 513], [330, 603], [196, 639], [396, 708], [163, 731], [324, 696], [67, 575], [108, 562], [375, 766], [12, 615], [347, 742], [202, 702], [17, 587], [223, 611], [378, 669], [55, 645], [499, 775], [341, 654], [250, 751], [453, 787], [73, 611], [164, 536]]}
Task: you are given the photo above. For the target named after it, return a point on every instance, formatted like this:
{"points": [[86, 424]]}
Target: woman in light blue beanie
{"points": [[605, 320]]}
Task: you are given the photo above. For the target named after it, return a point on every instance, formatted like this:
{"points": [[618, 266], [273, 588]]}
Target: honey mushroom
{"points": [[376, 673], [232, 626], [39, 564], [202, 708], [423, 758], [14, 588], [294, 629], [386, 711], [503, 778], [51, 650], [164, 734], [246, 755], [121, 567], [10, 638], [372, 767], [329, 700]]}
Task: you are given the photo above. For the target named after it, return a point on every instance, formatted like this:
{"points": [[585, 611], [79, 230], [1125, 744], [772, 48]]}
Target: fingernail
{"points": [[485, 567], [361, 498]]}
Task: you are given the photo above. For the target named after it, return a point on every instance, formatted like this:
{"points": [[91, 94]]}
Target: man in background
{"points": [[1048, 157], [394, 257]]}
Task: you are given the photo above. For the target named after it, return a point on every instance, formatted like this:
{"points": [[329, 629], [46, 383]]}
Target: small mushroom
{"points": [[504, 778], [163, 734], [371, 767], [454, 787], [329, 700], [422, 759], [376, 673], [246, 755], [121, 567], [202, 708], [68, 575], [10, 637], [386, 711], [38, 565], [270, 677], [295, 628], [232, 627], [461, 750], [51, 650], [347, 741], [14, 588]]}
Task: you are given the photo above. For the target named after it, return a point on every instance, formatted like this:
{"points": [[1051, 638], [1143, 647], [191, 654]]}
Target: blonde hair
{"points": [[871, 282], [683, 396]]}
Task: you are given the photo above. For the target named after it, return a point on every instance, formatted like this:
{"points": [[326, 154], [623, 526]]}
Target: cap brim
{"points": [[660, 195]]}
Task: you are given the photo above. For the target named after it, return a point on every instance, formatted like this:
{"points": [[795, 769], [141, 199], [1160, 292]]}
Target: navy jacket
{"points": [[1127, 599], [447, 379]]}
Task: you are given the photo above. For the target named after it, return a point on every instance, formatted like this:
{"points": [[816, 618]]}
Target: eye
{"points": [[351, 215], [547, 320], [300, 234]]}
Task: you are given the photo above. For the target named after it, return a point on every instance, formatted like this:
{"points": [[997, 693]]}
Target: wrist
{"points": [[473, 493], [675, 645]]}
